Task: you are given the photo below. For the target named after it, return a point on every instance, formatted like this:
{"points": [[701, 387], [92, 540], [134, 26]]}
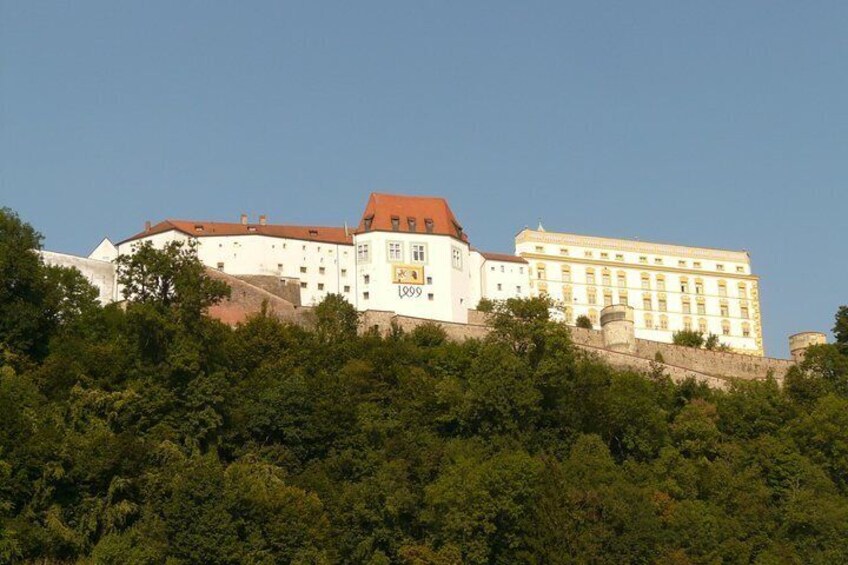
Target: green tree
{"points": [[688, 338], [584, 322]]}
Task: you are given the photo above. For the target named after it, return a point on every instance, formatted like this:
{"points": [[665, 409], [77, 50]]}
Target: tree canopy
{"points": [[153, 434]]}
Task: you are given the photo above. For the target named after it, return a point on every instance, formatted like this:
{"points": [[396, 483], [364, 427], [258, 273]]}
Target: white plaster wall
{"points": [[101, 274]]}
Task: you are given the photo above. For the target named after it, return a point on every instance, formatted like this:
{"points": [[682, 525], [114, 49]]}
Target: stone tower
{"points": [[798, 343], [617, 327]]}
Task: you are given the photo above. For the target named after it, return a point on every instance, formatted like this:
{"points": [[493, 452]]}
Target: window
{"points": [[725, 327], [540, 249], [363, 252], [429, 296], [684, 284], [566, 273], [687, 324], [456, 258], [590, 276], [500, 286], [702, 325], [604, 255], [303, 269], [320, 286], [723, 308], [662, 303], [743, 290], [719, 267], [593, 316], [658, 261], [303, 285], [743, 311], [607, 298], [588, 254], [569, 315], [746, 329], [429, 280], [366, 295], [646, 281], [622, 297], [702, 308], [591, 296], [699, 286], [681, 263], [740, 269], [518, 290], [606, 277], [563, 251], [366, 279], [347, 288], [567, 295], [502, 268], [619, 257], [344, 272], [419, 253], [663, 322], [395, 223], [646, 302], [322, 270], [622, 279], [687, 305], [279, 268], [660, 282], [696, 264], [395, 251], [643, 259], [722, 288], [541, 272], [649, 321], [412, 224], [428, 225]]}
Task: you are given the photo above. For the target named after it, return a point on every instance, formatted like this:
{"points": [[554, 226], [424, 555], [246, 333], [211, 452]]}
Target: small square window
{"points": [[220, 266], [430, 296], [619, 257], [321, 270], [366, 295], [344, 272], [347, 288], [366, 279], [500, 286], [303, 285], [320, 286], [429, 280], [303, 269]]}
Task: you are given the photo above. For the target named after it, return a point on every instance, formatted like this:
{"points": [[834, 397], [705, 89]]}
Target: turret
{"points": [[798, 343], [617, 328]]}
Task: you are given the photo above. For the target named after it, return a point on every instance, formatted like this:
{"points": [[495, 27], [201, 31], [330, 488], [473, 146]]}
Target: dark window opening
{"points": [[395, 223], [428, 225]]}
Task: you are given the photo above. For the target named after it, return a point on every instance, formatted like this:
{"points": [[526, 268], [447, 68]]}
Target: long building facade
{"points": [[410, 255]]}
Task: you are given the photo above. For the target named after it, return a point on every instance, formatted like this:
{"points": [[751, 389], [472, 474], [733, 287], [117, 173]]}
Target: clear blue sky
{"points": [[720, 124]]}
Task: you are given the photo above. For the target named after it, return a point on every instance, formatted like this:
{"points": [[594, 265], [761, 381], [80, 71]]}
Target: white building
{"points": [[98, 268], [410, 255], [671, 287]]}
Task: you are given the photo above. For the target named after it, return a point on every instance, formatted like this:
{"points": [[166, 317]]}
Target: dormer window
{"points": [[314, 233], [251, 228], [428, 225], [412, 224], [395, 223], [198, 228], [368, 221]]}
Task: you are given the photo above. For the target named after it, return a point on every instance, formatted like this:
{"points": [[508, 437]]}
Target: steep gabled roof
{"points": [[322, 234], [410, 214]]}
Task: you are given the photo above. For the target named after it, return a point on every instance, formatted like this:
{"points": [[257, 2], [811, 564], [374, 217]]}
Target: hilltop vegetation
{"points": [[152, 434]]}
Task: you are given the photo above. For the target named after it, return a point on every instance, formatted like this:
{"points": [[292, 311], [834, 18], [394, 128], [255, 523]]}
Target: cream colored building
{"points": [[670, 287]]}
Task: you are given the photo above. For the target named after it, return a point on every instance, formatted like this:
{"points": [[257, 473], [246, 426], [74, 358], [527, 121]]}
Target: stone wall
{"points": [[247, 299], [287, 289]]}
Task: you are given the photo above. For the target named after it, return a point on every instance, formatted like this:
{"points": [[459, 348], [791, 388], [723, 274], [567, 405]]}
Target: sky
{"points": [[719, 124]]}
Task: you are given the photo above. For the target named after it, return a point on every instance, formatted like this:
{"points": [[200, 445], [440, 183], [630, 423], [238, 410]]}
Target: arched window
{"points": [[541, 271], [723, 308], [687, 323], [702, 307], [686, 302], [743, 310], [743, 290], [746, 329], [593, 316], [702, 325], [722, 288], [646, 302], [663, 322], [662, 303], [567, 295], [591, 295], [646, 281], [590, 276], [622, 279], [566, 273], [684, 284], [660, 282], [622, 297], [606, 277], [607, 297], [699, 286], [725, 327], [649, 321]]}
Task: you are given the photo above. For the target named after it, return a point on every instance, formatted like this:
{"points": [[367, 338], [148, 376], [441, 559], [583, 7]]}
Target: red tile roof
{"points": [[209, 229], [502, 257], [410, 214]]}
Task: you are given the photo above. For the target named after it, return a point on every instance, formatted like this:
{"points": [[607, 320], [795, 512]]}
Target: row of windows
{"points": [[643, 259], [663, 323], [647, 302]]}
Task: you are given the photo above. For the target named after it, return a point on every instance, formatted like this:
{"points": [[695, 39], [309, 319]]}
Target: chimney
{"points": [[263, 219], [244, 219], [147, 225]]}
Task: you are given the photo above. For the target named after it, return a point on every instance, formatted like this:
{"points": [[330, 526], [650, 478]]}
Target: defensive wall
{"points": [[613, 344]]}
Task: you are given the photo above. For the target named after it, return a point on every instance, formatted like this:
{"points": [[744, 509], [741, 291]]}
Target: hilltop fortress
{"points": [[409, 259]]}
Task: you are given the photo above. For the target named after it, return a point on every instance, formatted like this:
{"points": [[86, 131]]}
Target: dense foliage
{"points": [[151, 433]]}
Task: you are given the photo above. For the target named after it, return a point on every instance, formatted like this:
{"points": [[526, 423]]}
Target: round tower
{"points": [[798, 343], [617, 327]]}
